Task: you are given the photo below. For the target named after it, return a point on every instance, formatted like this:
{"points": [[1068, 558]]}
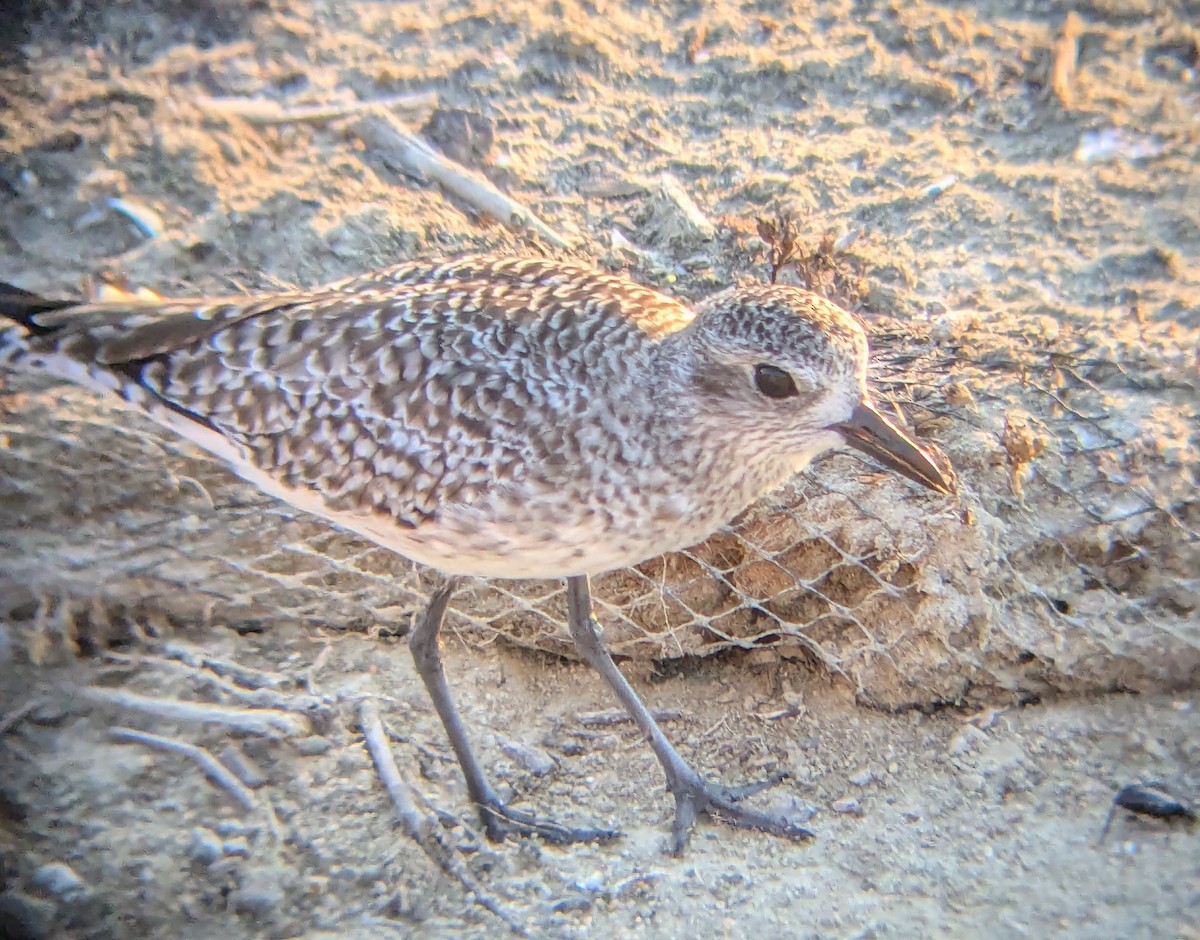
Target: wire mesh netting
{"points": [[1069, 560]]}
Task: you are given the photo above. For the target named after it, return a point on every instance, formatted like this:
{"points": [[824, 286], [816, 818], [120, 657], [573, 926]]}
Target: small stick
{"points": [[309, 673], [262, 112], [1066, 60], [616, 716], [790, 712], [263, 721], [420, 826], [253, 697], [695, 44], [405, 152], [242, 675], [217, 772], [693, 219]]}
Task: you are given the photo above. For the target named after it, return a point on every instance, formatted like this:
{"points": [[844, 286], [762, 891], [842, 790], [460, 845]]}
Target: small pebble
{"points": [[205, 846], [532, 759], [233, 827], [791, 807], [260, 895], [312, 745], [862, 778], [848, 807], [945, 183], [59, 880], [761, 657], [958, 394], [572, 905], [349, 762], [237, 846], [848, 238], [592, 883], [464, 136], [967, 739]]}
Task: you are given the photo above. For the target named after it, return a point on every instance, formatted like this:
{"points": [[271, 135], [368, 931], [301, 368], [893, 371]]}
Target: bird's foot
{"points": [[695, 797], [501, 821]]}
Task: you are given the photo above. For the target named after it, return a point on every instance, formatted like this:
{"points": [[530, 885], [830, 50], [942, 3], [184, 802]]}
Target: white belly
{"points": [[473, 541]]}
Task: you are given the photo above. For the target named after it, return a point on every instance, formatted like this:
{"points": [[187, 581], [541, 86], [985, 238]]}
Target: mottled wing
{"points": [[132, 331], [412, 389], [375, 403], [398, 392]]}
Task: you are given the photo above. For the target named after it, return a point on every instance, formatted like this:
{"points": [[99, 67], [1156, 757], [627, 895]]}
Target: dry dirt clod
{"points": [[464, 136]]}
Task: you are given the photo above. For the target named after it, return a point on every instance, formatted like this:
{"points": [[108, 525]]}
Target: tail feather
{"points": [[68, 349], [23, 306]]}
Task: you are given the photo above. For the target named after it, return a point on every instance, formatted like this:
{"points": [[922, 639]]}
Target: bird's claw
{"points": [[695, 797]]}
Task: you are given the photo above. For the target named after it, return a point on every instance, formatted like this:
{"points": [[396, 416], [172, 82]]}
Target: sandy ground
{"points": [[929, 822]]}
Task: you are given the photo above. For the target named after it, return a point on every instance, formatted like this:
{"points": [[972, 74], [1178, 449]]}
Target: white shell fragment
{"points": [[145, 219]]}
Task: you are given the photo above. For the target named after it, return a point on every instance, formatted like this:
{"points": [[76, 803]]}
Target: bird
{"points": [[498, 416]]}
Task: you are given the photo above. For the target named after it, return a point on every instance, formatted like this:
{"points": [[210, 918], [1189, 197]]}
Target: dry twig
{"points": [[209, 676], [217, 772], [618, 716], [420, 826], [406, 153], [242, 675], [263, 112], [1066, 60], [417, 824], [782, 240], [268, 722]]}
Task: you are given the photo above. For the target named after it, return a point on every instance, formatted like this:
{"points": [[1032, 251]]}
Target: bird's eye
{"points": [[773, 382]]}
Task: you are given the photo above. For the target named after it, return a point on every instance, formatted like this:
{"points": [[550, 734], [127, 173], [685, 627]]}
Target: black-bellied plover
{"points": [[500, 417]]}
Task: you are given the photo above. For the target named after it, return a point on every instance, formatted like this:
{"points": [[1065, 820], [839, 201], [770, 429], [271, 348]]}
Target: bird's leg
{"points": [[499, 820], [693, 795]]}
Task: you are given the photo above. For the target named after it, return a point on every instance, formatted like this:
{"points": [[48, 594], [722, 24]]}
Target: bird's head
{"points": [[790, 369]]}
